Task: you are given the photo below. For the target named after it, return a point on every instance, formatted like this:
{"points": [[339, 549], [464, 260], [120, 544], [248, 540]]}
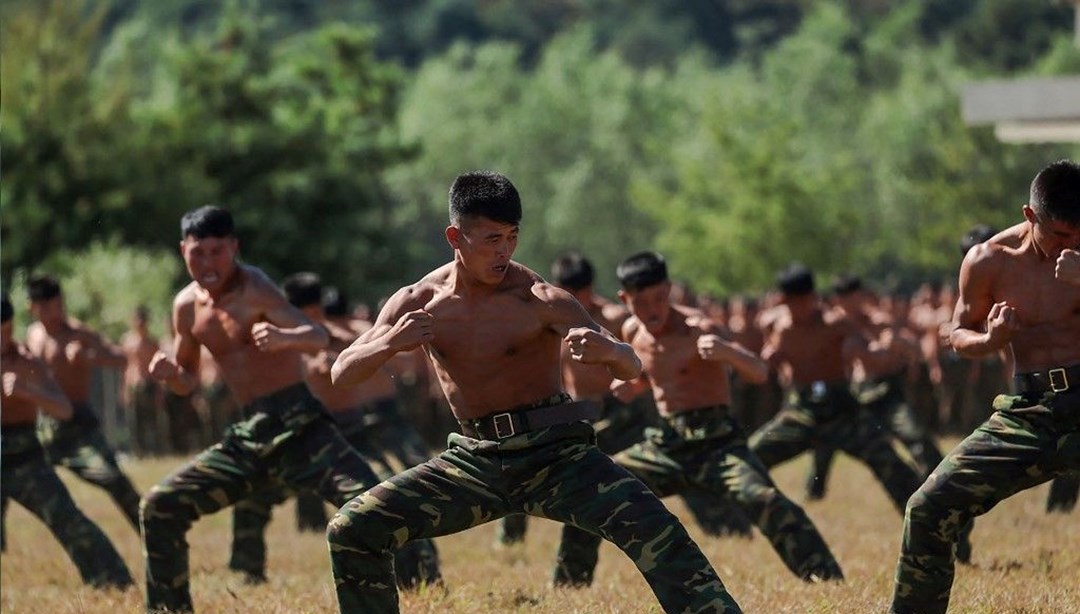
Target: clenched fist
{"points": [[163, 368], [1068, 267], [587, 346], [413, 330]]}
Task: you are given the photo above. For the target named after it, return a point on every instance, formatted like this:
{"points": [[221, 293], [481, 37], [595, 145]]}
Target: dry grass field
{"points": [[1024, 561]]}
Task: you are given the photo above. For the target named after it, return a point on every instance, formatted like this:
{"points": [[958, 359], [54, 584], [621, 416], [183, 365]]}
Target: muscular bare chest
{"points": [[1036, 295], [468, 332], [223, 328]]}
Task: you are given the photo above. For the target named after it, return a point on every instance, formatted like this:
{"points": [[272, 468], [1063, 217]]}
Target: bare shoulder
{"points": [[258, 285], [35, 333], [696, 320], [414, 296], [630, 329]]}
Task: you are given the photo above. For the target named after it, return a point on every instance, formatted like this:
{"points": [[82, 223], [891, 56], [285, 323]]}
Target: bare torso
{"points": [[681, 380], [493, 351], [223, 326], [20, 362], [139, 349], [1048, 310], [53, 348], [813, 350]]}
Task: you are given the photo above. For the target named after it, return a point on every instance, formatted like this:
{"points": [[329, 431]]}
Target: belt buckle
{"points": [[509, 425], [1054, 380]]}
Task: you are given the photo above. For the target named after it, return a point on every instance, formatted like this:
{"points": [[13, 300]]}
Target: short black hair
{"points": [[980, 233], [43, 288], [303, 289], [642, 270], [207, 221], [847, 284], [795, 280], [484, 194], [334, 302], [7, 310], [1055, 192], [572, 270]]}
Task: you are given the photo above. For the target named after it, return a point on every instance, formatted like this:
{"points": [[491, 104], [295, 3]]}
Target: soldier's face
{"points": [[484, 247], [650, 305], [211, 260], [1052, 236], [48, 311]]}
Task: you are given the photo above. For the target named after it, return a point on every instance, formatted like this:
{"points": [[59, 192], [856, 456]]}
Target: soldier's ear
{"points": [[453, 236]]}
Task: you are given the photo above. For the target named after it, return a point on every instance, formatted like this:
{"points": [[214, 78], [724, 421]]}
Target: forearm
{"points": [[973, 344], [54, 403], [625, 364], [749, 366], [307, 339], [360, 361]]}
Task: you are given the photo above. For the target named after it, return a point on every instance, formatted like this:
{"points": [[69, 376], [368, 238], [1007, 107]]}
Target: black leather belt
{"points": [[1060, 379], [515, 422]]}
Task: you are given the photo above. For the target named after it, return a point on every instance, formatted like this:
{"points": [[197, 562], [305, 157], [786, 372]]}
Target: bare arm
{"points": [[180, 372], [402, 325], [286, 327], [38, 388], [589, 342], [716, 345], [980, 326]]}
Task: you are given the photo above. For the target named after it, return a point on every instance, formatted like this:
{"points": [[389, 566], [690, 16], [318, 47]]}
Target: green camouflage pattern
{"points": [[29, 480], [556, 473], [79, 445], [1028, 440], [829, 416], [145, 419], [287, 441], [416, 563], [1064, 492], [619, 427], [884, 399], [705, 451]]}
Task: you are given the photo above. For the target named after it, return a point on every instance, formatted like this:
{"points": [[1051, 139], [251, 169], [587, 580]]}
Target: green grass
{"points": [[1024, 561]]}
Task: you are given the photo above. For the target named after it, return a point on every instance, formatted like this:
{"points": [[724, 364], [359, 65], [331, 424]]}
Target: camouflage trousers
{"points": [[287, 440], [556, 473], [883, 399], [830, 417], [1030, 439], [415, 563], [80, 446], [620, 426], [705, 450], [1064, 491], [29, 480], [146, 418]]}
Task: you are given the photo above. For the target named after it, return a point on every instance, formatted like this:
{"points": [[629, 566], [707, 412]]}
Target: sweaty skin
{"points": [[492, 328], [1011, 295], [253, 333], [69, 349], [686, 358], [814, 345], [27, 385]]}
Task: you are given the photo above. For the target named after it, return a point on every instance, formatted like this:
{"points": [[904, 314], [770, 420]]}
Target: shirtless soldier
{"points": [[699, 446], [28, 478], [286, 438], [617, 427], [493, 330], [72, 351], [417, 562], [142, 394], [815, 348], [1033, 435]]}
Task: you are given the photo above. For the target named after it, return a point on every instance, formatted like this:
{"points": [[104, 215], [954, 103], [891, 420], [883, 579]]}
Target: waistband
{"points": [[556, 409], [1058, 380], [290, 400], [820, 390], [711, 422]]}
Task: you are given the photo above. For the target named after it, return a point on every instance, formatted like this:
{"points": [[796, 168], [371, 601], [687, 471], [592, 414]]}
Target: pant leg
{"points": [[416, 562], [867, 439], [902, 421], [717, 515], [512, 529], [35, 486], [788, 434], [452, 492], [818, 476], [89, 456], [251, 515], [218, 477], [583, 487], [1064, 491], [1017, 448], [310, 513]]}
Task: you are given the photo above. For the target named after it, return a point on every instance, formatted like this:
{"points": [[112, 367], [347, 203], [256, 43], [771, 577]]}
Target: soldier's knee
{"points": [[158, 502], [350, 533]]}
